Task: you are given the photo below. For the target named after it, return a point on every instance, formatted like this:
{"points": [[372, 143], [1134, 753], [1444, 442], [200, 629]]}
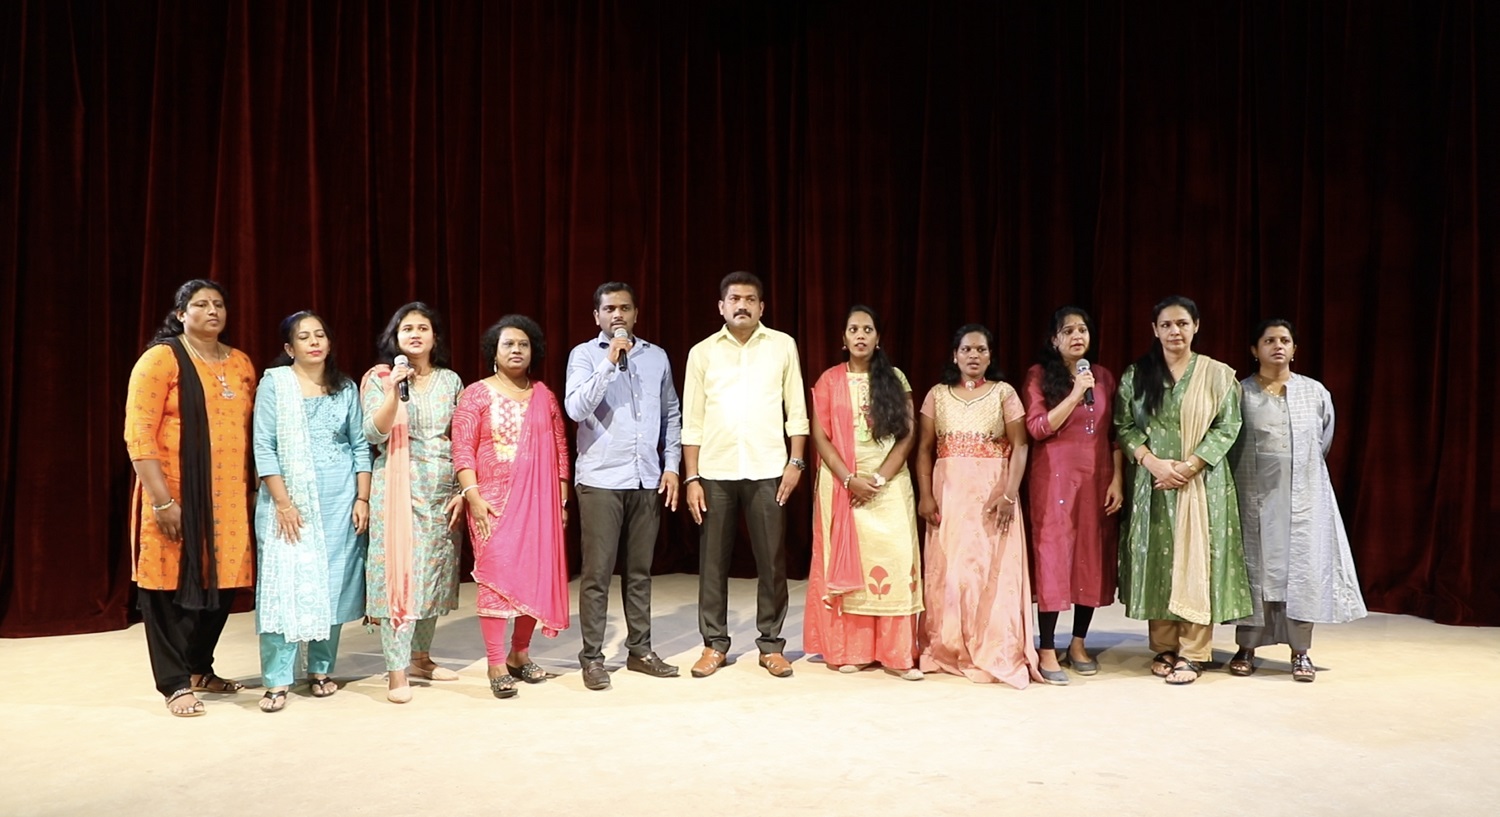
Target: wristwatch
{"points": [[800, 463], [878, 480]]}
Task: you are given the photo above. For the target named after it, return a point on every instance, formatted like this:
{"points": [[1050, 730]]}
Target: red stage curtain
{"points": [[942, 162]]}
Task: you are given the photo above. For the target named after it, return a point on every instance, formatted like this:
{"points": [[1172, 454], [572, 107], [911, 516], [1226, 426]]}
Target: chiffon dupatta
{"points": [[835, 415], [524, 560], [399, 544]]}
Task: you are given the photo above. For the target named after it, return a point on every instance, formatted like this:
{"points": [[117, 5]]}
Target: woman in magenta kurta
{"points": [[1075, 486], [511, 455]]}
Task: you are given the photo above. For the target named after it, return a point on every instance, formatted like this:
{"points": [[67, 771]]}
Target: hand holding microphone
{"points": [[1079, 371], [403, 388], [621, 347]]}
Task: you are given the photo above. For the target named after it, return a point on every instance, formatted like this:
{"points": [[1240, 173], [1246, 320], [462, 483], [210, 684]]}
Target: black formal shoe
{"points": [[651, 665], [594, 675]]}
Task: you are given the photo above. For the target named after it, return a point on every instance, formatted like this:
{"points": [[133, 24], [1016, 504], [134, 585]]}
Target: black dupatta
{"points": [[197, 576]]}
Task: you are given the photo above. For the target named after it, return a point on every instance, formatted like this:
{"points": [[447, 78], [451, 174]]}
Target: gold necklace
{"points": [[505, 383], [1269, 385], [220, 375]]}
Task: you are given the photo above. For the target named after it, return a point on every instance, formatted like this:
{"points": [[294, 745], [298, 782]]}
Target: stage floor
{"points": [[1403, 719]]}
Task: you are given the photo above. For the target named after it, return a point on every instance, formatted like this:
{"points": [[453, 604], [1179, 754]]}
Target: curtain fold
{"points": [[940, 162]]}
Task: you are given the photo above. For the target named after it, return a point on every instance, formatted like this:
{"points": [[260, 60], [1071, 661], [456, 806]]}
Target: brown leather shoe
{"points": [[776, 664], [708, 663], [650, 664]]}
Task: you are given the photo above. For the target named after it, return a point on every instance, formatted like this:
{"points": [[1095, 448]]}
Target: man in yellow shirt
{"points": [[742, 401]]}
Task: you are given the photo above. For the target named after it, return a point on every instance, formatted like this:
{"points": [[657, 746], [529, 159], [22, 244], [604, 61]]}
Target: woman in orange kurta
{"points": [[187, 428]]}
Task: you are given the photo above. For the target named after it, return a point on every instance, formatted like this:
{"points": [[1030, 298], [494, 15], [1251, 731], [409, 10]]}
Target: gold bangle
{"points": [[289, 507]]}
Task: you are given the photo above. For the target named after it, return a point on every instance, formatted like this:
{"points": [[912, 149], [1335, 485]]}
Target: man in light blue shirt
{"points": [[620, 393]]}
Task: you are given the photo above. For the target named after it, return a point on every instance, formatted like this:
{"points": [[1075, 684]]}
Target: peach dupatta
{"points": [[399, 545]]}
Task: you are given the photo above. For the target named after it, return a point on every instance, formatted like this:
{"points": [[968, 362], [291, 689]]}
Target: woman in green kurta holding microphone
{"points": [[1182, 563]]}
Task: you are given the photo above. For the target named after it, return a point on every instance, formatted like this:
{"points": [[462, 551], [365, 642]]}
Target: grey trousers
{"points": [[766, 522], [603, 515], [1278, 629]]}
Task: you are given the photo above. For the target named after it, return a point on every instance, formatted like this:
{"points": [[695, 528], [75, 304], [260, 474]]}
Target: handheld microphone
{"points": [[1088, 394], [404, 387], [624, 361]]}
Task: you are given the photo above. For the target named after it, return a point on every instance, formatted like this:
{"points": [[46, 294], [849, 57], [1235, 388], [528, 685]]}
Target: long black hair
{"points": [[387, 347], [334, 378], [1151, 372], [951, 374], [490, 343], [1057, 381], [890, 407], [171, 326]]}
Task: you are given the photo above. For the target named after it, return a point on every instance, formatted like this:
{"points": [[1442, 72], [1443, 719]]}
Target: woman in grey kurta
{"points": [[1296, 550], [1182, 566], [312, 511]]}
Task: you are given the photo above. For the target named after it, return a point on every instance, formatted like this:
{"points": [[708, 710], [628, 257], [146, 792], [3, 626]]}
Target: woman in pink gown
{"points": [[1075, 487], [971, 453], [511, 455]]}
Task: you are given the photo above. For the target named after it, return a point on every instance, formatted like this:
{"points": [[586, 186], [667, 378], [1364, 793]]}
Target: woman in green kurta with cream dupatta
{"points": [[1182, 563]]}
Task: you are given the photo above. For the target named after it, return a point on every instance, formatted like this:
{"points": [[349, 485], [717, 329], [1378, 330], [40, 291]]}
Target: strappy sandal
{"points": [[1162, 663], [1303, 669], [209, 682], [504, 686], [531, 672], [1185, 665], [190, 712], [273, 701], [1243, 663], [320, 686]]}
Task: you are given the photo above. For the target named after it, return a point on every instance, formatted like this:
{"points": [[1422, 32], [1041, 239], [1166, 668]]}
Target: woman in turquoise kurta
{"points": [[412, 573], [312, 511], [1182, 564]]}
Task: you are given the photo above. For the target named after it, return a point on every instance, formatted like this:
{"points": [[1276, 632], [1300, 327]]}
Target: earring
{"points": [[495, 367]]}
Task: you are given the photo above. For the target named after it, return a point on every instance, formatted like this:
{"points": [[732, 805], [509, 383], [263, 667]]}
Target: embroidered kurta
{"points": [[1296, 549], [434, 546], [153, 431], [1074, 542], [320, 589], [978, 591], [1147, 545], [487, 438], [879, 621]]}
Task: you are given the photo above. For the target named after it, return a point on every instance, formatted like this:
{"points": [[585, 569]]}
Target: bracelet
{"points": [[692, 479], [468, 489], [289, 507], [363, 499], [846, 480], [165, 505], [1007, 499]]}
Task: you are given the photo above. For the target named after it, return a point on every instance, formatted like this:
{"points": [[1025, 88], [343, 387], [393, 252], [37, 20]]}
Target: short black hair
{"points": [[386, 347], [741, 278], [612, 286], [491, 340]]}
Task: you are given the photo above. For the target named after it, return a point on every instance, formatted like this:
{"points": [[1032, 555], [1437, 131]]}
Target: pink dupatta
{"points": [[524, 560], [844, 572], [398, 517]]}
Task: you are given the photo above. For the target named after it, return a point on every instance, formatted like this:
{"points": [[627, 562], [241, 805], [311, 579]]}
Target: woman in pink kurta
{"points": [[1075, 487], [971, 454], [511, 454]]}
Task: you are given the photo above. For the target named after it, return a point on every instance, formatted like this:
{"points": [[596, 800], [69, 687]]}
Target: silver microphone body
{"points": [[620, 332], [404, 387], [1088, 394]]}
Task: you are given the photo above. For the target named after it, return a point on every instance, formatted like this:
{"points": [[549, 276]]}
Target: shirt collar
{"points": [[604, 340], [761, 330]]}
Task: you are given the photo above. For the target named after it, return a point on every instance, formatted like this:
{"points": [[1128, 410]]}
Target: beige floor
{"points": [[1402, 720]]}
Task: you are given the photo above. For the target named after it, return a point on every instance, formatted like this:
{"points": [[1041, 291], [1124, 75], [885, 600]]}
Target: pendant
{"points": [[225, 392]]}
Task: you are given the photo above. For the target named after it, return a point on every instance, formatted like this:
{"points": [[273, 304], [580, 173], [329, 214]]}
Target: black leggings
{"points": [[1047, 622]]}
